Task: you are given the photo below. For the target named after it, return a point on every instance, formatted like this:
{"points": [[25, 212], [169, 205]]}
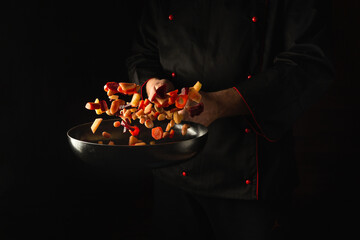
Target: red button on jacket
{"points": [[171, 17], [254, 19]]}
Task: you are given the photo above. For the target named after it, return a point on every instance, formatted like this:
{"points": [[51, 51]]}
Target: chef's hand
{"points": [[211, 110], [224, 103], [154, 83]]}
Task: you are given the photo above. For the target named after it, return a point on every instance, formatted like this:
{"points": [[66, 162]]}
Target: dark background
{"points": [[57, 55]]}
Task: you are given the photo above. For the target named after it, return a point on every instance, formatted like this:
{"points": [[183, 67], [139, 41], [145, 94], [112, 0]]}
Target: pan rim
{"points": [[204, 134]]}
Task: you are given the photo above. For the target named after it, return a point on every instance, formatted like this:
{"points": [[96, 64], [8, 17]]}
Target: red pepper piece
{"points": [[181, 100], [171, 101], [111, 86], [103, 106], [141, 105], [173, 93], [120, 90], [135, 132]]}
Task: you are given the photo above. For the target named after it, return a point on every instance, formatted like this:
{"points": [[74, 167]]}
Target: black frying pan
{"points": [[164, 153]]}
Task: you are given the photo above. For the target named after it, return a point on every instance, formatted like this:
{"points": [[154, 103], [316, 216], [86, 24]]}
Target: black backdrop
{"points": [[57, 55]]}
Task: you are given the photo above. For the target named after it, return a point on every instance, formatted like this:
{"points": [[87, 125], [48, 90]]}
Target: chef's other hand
{"points": [[224, 103], [154, 83]]}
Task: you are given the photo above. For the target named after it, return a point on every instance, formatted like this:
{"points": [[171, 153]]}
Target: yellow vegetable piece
{"points": [[197, 86], [96, 124], [135, 100]]}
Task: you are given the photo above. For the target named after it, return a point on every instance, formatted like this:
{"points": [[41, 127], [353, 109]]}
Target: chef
{"points": [[262, 65]]}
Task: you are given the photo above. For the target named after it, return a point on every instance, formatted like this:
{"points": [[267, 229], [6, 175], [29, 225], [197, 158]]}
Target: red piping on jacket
{"points": [[142, 88], [253, 116], [257, 169]]}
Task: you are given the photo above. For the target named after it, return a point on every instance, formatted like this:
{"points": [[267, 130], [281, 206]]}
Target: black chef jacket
{"points": [[269, 51]]}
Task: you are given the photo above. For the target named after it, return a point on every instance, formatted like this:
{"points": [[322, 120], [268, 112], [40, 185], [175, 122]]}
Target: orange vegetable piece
{"points": [[127, 86], [117, 124], [133, 140], [140, 144], [157, 133], [106, 134], [177, 117], [172, 133], [115, 106]]}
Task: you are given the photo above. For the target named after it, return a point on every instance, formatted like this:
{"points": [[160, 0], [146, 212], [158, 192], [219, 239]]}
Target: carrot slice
{"points": [[157, 133], [180, 101]]}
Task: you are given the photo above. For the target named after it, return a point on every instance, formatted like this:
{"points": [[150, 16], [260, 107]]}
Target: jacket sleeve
{"points": [[144, 62], [298, 77]]}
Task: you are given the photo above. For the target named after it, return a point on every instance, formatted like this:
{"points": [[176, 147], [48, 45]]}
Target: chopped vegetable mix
{"points": [[163, 106]]}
